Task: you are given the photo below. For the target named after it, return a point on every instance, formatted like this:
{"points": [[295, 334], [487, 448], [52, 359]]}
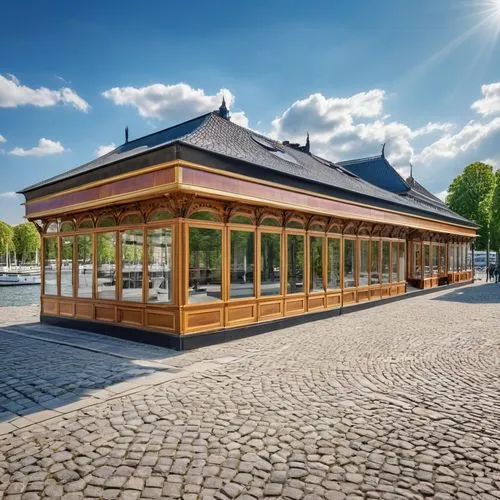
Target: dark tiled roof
{"points": [[129, 149], [377, 170], [219, 136]]}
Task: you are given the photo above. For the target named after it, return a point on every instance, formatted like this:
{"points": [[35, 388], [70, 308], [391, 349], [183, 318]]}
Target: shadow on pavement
{"points": [[43, 374], [486, 293]]}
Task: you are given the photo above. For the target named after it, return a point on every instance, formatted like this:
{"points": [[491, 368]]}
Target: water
{"points": [[24, 295]]}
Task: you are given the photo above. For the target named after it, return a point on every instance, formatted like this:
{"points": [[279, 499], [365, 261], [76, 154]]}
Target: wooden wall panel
{"points": [[349, 297], [50, 306], [316, 302], [375, 293], [237, 314], [363, 295], [84, 310], [270, 310], [130, 316], [66, 308], [295, 305], [161, 320], [204, 319], [105, 313], [334, 299], [385, 291]]}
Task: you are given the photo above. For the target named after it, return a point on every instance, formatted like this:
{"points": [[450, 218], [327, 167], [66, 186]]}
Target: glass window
{"points": [[294, 224], [241, 219], [316, 227], [52, 228], [132, 265], [333, 278], [349, 263], [160, 215], [67, 227], [51, 268], [455, 257], [295, 253], [270, 263], [132, 219], [435, 260], [85, 266], [468, 257], [375, 263], [270, 221], [427, 259], [67, 244], [316, 262], [205, 262], [160, 265], [402, 261], [464, 257], [107, 221], [364, 249], [450, 257], [86, 224], [203, 216], [442, 258], [416, 260], [394, 261], [106, 265], [242, 264], [386, 261]]}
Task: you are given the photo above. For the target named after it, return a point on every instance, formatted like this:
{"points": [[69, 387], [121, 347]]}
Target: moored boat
{"points": [[19, 278]]}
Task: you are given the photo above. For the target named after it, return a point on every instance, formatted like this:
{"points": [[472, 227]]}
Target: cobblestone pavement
{"points": [[398, 401]]}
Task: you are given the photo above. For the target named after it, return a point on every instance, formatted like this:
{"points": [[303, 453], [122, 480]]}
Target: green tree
{"points": [[495, 215], [26, 241], [6, 238], [470, 194]]}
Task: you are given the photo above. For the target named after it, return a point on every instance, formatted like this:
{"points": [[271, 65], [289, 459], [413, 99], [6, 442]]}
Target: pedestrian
{"points": [[490, 272], [497, 273]]}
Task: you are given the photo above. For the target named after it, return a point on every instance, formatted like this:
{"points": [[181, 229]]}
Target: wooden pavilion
{"points": [[207, 227]]}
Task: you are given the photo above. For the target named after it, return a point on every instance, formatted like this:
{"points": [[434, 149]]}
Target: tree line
{"points": [[21, 241], [475, 194]]}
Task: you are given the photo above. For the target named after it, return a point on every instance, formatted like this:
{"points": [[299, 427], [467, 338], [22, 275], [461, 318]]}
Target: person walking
{"points": [[490, 272], [497, 273]]}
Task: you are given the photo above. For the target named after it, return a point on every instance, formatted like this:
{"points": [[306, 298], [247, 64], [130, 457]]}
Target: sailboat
{"points": [[13, 277]]}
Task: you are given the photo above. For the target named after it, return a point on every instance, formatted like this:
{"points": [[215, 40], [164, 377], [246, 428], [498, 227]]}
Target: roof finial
{"points": [[383, 150], [411, 171], [307, 147], [223, 111], [126, 133]]}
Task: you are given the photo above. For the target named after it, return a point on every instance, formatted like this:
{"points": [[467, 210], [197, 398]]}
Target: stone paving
{"points": [[398, 401]]}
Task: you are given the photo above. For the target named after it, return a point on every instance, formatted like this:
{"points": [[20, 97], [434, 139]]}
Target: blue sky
{"points": [[423, 76]]}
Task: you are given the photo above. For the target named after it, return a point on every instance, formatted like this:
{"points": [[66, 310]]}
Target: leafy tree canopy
{"points": [[471, 194], [6, 237], [26, 241]]}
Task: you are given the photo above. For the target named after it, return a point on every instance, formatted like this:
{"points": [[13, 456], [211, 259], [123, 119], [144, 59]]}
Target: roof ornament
{"points": [[411, 171], [383, 150], [126, 133], [223, 111], [307, 147]]}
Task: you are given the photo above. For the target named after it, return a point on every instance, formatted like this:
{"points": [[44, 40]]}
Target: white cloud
{"points": [[430, 128], [13, 94], [104, 149], [490, 103], [2, 139], [45, 147], [173, 102], [468, 138], [494, 162], [442, 195], [9, 194]]}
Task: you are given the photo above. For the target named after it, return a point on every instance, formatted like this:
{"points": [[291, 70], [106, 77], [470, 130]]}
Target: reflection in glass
{"points": [[241, 219], [160, 265], [394, 261], [270, 221], [205, 260], [442, 258], [132, 265], [293, 224], [107, 221], [106, 266], [316, 260], [132, 219], [270, 263], [160, 215], [67, 243], [363, 262], [333, 278], [295, 252], [67, 227], [375, 263], [349, 263], [86, 224], [85, 267], [416, 260], [435, 259], [450, 258], [386, 256], [203, 216], [51, 267], [427, 260], [402, 261], [455, 257], [242, 264]]}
